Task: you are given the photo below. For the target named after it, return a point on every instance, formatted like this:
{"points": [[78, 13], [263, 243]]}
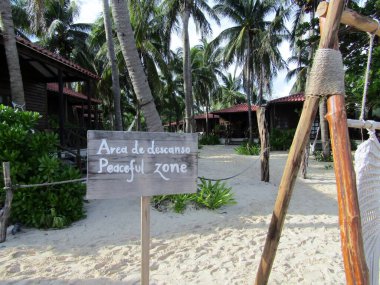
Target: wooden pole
{"points": [[349, 214], [145, 239], [292, 166], [353, 19], [6, 210]]}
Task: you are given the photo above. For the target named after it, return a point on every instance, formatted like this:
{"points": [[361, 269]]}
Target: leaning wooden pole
{"points": [[295, 156]]}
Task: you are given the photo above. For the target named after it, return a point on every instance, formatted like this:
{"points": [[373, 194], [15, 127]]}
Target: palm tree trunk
{"points": [[7, 29], [324, 129], [305, 161], [187, 82], [114, 70], [207, 121], [136, 72], [248, 84]]}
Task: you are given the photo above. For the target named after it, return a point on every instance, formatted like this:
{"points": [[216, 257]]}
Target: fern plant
{"points": [[248, 149], [214, 195]]}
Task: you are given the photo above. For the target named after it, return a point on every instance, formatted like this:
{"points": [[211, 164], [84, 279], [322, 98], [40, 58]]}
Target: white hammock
{"points": [[367, 167]]}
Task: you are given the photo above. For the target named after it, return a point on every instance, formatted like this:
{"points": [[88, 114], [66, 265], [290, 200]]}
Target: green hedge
{"points": [[281, 139], [33, 159]]}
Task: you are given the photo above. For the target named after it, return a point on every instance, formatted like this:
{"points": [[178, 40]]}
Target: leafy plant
{"points": [[281, 139], [33, 159], [209, 195], [209, 140], [318, 155], [214, 195], [248, 149]]}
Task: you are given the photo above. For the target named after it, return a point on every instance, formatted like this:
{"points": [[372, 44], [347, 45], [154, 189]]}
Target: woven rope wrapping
{"points": [[327, 74], [367, 167]]}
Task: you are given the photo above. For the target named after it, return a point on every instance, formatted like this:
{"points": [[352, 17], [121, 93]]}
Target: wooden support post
{"points": [[349, 213], [61, 108], [285, 191], [292, 166], [145, 239], [6, 210]]}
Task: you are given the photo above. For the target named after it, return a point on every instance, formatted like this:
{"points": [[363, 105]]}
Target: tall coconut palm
{"points": [[184, 9], [253, 42], [230, 91], [7, 30], [249, 19], [125, 35], [206, 67], [267, 60], [153, 49], [114, 70], [62, 35]]}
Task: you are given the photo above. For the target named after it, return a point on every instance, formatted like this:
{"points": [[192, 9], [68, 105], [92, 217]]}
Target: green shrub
{"points": [[281, 139], [209, 195], [33, 159], [209, 140], [213, 195], [318, 155], [248, 149]]}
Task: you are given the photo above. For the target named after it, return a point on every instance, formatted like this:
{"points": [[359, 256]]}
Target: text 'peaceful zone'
{"points": [[126, 159]]}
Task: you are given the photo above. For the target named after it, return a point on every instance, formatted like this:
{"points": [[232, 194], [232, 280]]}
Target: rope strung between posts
{"points": [[17, 186], [239, 173], [326, 75], [49, 183]]}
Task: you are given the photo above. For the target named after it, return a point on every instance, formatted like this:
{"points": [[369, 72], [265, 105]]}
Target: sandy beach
{"points": [[197, 247]]}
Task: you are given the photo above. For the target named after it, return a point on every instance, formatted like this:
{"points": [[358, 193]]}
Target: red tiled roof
{"points": [[55, 57], [300, 97], [203, 116], [240, 108], [54, 87]]}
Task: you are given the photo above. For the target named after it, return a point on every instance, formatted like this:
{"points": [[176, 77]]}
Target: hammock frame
{"points": [[331, 15]]}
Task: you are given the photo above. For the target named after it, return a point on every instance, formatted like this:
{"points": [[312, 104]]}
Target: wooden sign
{"points": [[121, 164]]}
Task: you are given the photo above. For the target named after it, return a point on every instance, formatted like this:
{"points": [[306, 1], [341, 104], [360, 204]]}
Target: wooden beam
{"points": [[353, 19]]}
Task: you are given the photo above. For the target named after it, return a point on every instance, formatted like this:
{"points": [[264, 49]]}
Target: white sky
{"points": [[91, 9]]}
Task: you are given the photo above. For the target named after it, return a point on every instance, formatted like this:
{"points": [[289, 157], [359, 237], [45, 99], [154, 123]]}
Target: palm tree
{"points": [[184, 9], [249, 19], [125, 35], [206, 67], [230, 91], [253, 42], [7, 29], [61, 35], [113, 63], [153, 49], [267, 61]]}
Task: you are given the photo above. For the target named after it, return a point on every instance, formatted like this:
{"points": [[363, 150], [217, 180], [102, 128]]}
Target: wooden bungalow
{"points": [[234, 121], [201, 123], [46, 77], [285, 112]]}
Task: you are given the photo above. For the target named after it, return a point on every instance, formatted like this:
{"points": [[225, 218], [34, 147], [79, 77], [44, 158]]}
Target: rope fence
{"points": [[18, 186]]}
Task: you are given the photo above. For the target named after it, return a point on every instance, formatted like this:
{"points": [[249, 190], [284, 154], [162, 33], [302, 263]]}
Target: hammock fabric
{"points": [[367, 168]]}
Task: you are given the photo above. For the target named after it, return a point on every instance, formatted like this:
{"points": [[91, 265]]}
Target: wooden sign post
{"points": [[124, 164]]}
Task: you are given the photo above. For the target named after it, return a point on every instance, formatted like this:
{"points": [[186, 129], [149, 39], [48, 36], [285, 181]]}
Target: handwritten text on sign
{"points": [[122, 164]]}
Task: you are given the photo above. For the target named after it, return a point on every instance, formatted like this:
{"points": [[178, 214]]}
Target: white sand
{"points": [[198, 247]]}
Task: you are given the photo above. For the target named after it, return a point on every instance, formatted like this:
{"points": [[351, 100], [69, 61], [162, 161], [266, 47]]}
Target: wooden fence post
{"points": [[6, 210]]}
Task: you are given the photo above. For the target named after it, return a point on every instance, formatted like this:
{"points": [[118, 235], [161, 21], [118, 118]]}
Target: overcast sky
{"points": [[91, 9]]}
